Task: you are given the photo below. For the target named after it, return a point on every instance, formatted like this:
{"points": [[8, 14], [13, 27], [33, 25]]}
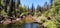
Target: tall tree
{"points": [[39, 8], [0, 6], [45, 6], [17, 3], [51, 2], [11, 8], [6, 4], [32, 8]]}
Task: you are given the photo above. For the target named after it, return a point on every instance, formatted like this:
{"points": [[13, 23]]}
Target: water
{"points": [[29, 25], [34, 25]]}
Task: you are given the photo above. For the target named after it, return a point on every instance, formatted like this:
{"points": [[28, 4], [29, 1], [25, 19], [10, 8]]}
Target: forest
{"points": [[14, 15]]}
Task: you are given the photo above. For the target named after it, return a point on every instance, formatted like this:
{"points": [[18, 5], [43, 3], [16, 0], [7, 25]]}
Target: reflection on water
{"points": [[30, 25], [27, 25], [34, 25]]}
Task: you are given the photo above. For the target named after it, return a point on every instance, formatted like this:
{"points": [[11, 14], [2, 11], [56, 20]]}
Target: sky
{"points": [[35, 2]]}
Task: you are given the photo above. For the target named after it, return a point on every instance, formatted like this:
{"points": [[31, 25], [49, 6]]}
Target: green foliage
{"points": [[54, 12], [50, 24], [3, 13]]}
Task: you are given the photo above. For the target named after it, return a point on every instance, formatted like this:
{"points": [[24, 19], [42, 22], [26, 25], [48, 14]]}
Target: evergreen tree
{"points": [[28, 9], [45, 6], [0, 6], [11, 8], [51, 2], [6, 4], [39, 8], [33, 9], [18, 3]]}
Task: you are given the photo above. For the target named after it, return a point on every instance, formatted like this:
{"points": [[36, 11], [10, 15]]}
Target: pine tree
{"points": [[6, 4], [39, 8], [28, 9], [46, 6], [0, 6], [18, 3], [33, 9], [11, 8], [51, 2]]}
